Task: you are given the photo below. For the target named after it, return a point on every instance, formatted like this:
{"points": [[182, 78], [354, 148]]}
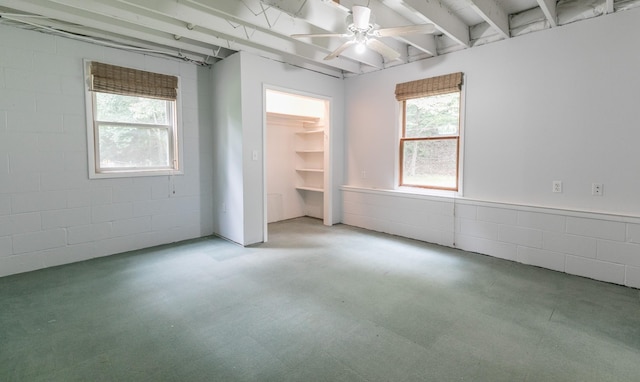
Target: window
{"points": [[133, 122], [430, 137]]}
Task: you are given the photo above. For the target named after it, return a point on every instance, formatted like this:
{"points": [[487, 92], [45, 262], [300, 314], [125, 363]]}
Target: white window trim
{"points": [[91, 142], [431, 191]]}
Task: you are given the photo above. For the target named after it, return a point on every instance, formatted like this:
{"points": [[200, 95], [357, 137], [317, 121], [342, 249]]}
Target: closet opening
{"points": [[297, 171]]}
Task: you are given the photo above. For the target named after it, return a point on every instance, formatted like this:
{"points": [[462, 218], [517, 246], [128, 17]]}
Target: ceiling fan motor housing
{"points": [[360, 19]]}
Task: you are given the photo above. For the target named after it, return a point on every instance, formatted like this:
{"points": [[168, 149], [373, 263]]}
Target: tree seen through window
{"points": [[133, 132], [430, 141]]}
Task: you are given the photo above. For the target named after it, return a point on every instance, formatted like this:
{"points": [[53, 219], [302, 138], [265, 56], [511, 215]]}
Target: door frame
{"points": [[327, 199]]}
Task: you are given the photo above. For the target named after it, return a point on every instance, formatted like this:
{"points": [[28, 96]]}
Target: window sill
{"points": [[428, 192], [411, 192], [133, 174], [588, 214]]}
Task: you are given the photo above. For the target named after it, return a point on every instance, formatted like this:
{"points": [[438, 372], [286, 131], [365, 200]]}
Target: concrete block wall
{"points": [[51, 213], [599, 246], [416, 217]]}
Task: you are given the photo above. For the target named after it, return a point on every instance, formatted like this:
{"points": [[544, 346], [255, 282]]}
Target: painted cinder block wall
{"points": [[600, 246], [559, 104], [50, 212]]}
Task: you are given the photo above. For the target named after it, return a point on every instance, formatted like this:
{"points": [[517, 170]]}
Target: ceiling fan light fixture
{"points": [[360, 39], [363, 32]]}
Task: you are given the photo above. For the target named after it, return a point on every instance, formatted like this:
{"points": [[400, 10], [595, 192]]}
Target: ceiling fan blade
{"points": [[409, 29], [340, 49], [361, 17], [319, 35], [382, 48]]}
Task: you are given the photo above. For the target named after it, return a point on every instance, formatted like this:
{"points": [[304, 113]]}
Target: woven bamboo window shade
{"points": [[126, 81], [429, 86]]}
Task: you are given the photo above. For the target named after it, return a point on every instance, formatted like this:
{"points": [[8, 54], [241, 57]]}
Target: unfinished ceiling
{"points": [[204, 31]]}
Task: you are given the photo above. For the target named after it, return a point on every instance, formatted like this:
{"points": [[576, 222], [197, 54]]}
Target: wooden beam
{"points": [[493, 14], [425, 43], [226, 34], [178, 49], [609, 7], [134, 31], [314, 17], [121, 34], [435, 12], [549, 9]]}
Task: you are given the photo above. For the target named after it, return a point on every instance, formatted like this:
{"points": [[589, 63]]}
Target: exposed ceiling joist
{"points": [[207, 30], [152, 44], [90, 9], [425, 43], [51, 10], [227, 35], [609, 8], [240, 29], [435, 12], [136, 31], [550, 11], [493, 14], [316, 15]]}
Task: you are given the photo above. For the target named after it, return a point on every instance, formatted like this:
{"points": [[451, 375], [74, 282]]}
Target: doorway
{"points": [[297, 156]]}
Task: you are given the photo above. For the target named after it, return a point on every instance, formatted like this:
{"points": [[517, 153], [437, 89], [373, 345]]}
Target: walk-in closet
{"points": [[297, 132]]}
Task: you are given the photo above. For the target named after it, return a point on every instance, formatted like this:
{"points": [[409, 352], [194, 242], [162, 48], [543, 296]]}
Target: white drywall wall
{"points": [[50, 212], [283, 200], [228, 150]]}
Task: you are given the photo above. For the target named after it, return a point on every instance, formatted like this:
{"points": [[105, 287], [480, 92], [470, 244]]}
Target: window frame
{"points": [[175, 144], [457, 138]]}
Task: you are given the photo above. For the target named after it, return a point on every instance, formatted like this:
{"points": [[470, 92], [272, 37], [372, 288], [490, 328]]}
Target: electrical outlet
{"points": [[224, 207], [596, 189], [556, 186], [363, 174]]}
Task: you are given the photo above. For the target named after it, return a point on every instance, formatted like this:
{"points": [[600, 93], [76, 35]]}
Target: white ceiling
{"points": [[205, 31]]}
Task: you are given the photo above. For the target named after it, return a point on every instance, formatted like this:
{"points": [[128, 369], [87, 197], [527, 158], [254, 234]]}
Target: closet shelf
{"points": [[315, 189], [309, 132], [310, 169], [291, 119]]}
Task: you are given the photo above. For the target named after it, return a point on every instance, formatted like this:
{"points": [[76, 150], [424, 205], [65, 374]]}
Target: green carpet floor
{"points": [[316, 303]]}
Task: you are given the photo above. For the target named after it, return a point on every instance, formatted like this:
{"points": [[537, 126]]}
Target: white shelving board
{"points": [[315, 189]]}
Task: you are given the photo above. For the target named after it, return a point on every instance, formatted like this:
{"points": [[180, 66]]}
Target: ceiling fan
{"points": [[363, 33]]}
